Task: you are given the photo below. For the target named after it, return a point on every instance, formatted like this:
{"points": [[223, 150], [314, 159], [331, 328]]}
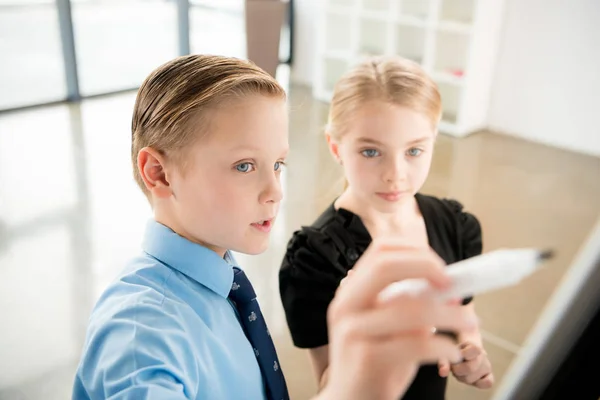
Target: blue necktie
{"points": [[243, 296]]}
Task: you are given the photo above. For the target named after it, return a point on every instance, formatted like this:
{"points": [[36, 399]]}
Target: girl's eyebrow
{"points": [[367, 140], [419, 140]]}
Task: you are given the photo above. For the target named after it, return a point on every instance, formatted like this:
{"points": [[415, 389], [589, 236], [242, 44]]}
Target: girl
{"points": [[382, 129]]}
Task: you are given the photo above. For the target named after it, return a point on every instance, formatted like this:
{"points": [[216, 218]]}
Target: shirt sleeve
{"points": [[308, 279], [142, 352]]}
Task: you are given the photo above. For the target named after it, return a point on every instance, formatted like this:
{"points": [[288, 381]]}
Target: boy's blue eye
{"points": [[244, 167], [414, 152], [370, 153], [278, 165]]}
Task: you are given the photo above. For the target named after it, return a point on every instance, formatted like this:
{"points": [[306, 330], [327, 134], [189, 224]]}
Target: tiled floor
{"points": [[70, 216]]}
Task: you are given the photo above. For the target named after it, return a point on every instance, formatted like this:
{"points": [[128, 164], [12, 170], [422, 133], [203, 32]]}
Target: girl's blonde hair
{"points": [[389, 79]]}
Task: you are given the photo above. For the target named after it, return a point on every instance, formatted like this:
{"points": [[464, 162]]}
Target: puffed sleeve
{"points": [[468, 231], [469, 236], [309, 276]]}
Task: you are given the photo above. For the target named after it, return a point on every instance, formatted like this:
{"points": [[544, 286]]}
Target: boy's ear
{"points": [[151, 166], [333, 148]]}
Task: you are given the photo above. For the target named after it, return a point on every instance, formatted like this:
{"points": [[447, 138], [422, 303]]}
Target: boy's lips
{"points": [[264, 225]]}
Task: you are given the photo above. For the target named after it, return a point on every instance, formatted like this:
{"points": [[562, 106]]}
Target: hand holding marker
{"points": [[494, 270]]}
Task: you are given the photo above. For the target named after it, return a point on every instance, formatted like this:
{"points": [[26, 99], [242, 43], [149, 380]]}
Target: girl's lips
{"points": [[391, 196]]}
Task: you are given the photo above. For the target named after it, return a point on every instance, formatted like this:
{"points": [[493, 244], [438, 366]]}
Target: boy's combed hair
{"points": [[390, 79], [172, 106]]}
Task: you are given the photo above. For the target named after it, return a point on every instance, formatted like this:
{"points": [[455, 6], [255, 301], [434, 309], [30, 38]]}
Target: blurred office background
{"points": [[519, 147]]}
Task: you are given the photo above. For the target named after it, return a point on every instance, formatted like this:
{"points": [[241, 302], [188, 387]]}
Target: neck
{"points": [[167, 219], [375, 220]]}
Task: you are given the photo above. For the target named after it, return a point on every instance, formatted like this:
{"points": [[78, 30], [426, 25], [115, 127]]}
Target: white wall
{"points": [[547, 84], [547, 81]]}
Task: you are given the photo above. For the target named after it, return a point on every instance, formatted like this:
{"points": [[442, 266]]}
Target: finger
{"points": [[424, 349], [429, 349], [395, 243], [392, 245], [470, 351], [454, 302], [450, 334], [408, 314], [444, 368], [466, 368], [386, 268], [486, 382], [469, 379]]}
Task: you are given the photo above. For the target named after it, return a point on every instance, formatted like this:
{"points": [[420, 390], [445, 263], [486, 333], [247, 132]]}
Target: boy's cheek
{"points": [[222, 188]]}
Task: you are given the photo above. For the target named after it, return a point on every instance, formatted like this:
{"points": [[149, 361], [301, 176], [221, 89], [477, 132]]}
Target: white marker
{"points": [[494, 270]]}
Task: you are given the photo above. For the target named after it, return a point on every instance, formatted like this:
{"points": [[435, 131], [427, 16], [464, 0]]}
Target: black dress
{"points": [[319, 256]]}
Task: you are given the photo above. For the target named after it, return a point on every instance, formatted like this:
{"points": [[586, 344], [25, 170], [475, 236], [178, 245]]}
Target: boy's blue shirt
{"points": [[166, 330]]}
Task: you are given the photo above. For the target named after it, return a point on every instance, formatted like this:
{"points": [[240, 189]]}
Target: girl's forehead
{"points": [[389, 125]]}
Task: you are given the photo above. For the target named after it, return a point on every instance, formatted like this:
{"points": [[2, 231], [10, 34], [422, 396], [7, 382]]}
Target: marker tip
{"points": [[546, 255]]}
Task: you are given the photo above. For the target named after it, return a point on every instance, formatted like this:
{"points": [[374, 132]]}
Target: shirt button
{"points": [[352, 254]]}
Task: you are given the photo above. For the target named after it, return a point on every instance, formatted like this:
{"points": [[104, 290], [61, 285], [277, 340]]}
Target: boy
{"points": [[209, 140]]}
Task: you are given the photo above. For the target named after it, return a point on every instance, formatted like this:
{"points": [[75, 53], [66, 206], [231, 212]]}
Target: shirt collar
{"points": [[197, 262]]}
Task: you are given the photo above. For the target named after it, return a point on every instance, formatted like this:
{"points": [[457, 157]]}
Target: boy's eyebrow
{"points": [[244, 147], [254, 148]]}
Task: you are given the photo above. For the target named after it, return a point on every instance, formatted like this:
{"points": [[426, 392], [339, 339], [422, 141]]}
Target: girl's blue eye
{"points": [[278, 165], [414, 152], [370, 153], [244, 167]]}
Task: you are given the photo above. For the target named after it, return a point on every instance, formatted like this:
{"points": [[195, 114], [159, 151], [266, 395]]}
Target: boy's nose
{"points": [[273, 192]]}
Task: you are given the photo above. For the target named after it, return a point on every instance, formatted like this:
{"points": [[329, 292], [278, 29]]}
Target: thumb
{"points": [[444, 368]]}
